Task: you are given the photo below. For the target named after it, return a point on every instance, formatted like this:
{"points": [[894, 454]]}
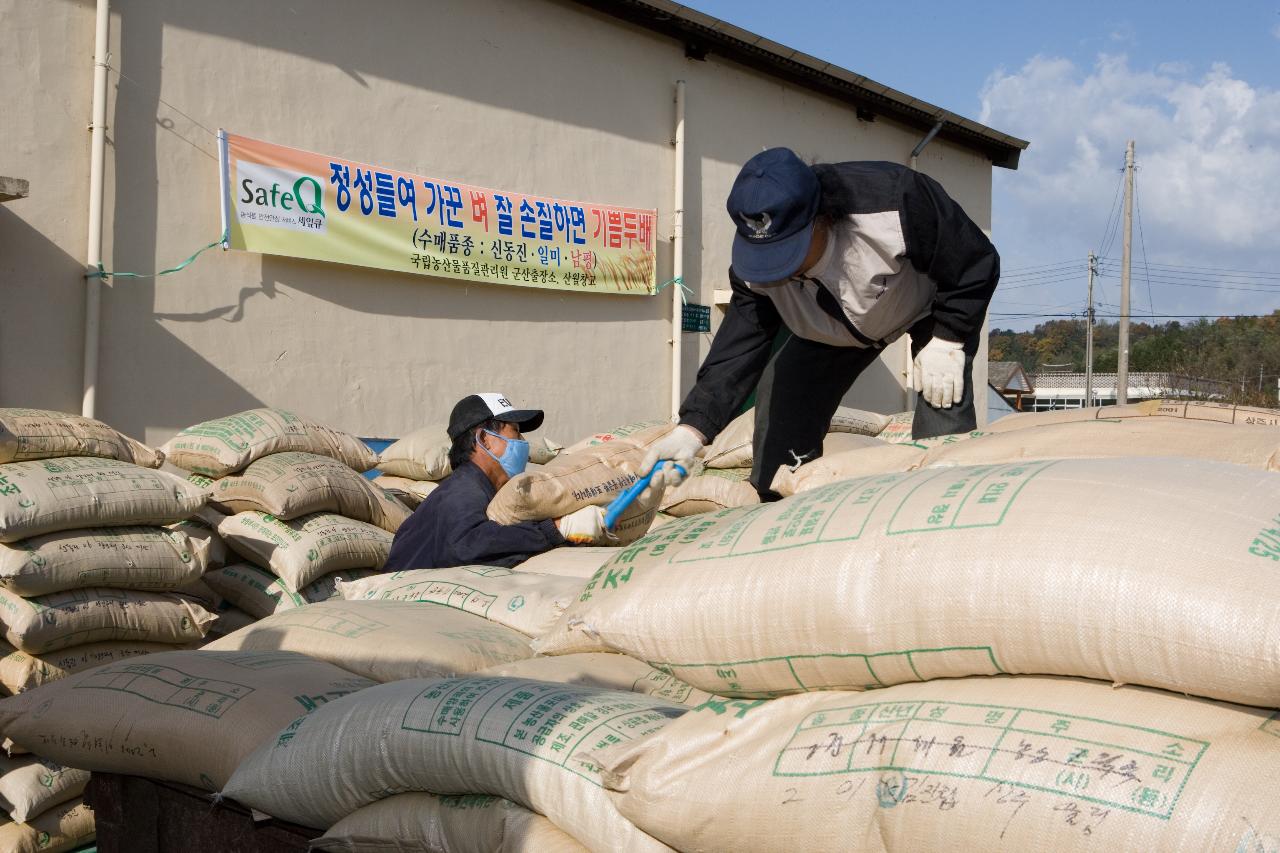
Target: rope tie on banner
{"points": [[685, 292], [103, 274]]}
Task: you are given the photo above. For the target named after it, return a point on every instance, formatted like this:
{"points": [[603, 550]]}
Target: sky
{"points": [[1195, 85]]}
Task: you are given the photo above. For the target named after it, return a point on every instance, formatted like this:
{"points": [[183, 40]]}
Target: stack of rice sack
{"points": [[411, 467], [1210, 431], [97, 564], [295, 506], [721, 482]]}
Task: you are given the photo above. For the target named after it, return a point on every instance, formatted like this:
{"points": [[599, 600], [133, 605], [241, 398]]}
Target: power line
{"points": [[1142, 240], [1154, 316], [1113, 218]]}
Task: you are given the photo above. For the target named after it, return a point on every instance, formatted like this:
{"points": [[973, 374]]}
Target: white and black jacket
{"points": [[900, 250]]}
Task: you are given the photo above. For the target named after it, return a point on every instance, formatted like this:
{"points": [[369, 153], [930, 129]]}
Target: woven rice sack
{"points": [[580, 479], [226, 445], [27, 434], [30, 786], [424, 454], [1106, 439], [61, 620], [259, 593], [458, 823], [604, 670], [67, 826], [858, 421], [523, 601], [1221, 413], [189, 717], [149, 558], [385, 640], [20, 671], [510, 737], [289, 485], [898, 429], [1160, 572], [303, 550], [81, 491], [578, 561], [888, 458], [625, 431], [732, 448], [991, 764], [408, 492], [714, 489]]}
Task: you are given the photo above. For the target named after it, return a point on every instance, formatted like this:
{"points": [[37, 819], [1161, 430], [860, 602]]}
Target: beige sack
{"points": [[188, 717], [226, 445], [67, 826], [1222, 413], [385, 640], [523, 601], [408, 492], [990, 764], [61, 620], [152, 558], [424, 454], [229, 620], [858, 421], [30, 786], [625, 431], [303, 550], [713, 489], [888, 458], [898, 429], [1159, 572], [290, 485], [575, 480], [457, 823], [509, 737], [27, 434], [573, 561], [1105, 439], [20, 671], [604, 670], [260, 593], [74, 492]]}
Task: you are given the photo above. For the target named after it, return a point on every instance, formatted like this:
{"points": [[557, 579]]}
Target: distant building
{"points": [[1010, 380], [1061, 390]]}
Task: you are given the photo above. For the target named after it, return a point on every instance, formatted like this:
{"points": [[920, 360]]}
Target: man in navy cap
{"points": [[450, 527], [848, 257]]}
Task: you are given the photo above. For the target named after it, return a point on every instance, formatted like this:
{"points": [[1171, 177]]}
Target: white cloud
{"points": [[1208, 152], [1275, 31]]}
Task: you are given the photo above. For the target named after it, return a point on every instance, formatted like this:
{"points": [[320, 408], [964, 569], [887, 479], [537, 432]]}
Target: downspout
{"points": [[93, 254], [908, 370], [677, 254]]}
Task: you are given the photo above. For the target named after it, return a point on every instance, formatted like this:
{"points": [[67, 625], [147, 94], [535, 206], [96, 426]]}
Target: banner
{"points": [[283, 201]]}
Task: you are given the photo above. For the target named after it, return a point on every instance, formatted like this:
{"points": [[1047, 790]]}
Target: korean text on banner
{"points": [[283, 201]]}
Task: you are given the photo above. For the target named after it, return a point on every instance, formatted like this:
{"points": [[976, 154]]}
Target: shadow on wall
{"points": [[41, 327]]}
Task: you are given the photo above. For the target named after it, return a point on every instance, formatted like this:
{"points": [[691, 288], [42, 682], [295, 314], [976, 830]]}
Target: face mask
{"points": [[514, 458]]}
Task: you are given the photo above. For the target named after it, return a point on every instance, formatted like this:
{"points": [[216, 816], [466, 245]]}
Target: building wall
{"points": [[535, 96]]}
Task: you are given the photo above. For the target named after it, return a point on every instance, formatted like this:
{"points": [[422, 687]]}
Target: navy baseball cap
{"points": [[476, 409], [773, 203]]}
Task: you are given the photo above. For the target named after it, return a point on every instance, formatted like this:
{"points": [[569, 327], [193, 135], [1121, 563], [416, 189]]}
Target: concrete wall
{"points": [[536, 96]]}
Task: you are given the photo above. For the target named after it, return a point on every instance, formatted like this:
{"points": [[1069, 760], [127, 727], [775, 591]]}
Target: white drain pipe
{"points": [[93, 255], [677, 252]]}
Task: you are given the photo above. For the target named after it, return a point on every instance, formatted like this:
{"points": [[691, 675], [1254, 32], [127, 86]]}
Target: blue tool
{"points": [[619, 504]]}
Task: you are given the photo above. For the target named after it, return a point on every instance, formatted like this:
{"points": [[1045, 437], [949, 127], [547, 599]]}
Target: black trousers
{"points": [[802, 387]]}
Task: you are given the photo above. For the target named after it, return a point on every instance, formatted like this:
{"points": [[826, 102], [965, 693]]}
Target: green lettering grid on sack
{"points": [[444, 709], [1079, 754]]}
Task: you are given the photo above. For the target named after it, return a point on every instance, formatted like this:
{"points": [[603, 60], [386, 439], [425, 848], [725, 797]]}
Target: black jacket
{"points": [[902, 218], [450, 528]]}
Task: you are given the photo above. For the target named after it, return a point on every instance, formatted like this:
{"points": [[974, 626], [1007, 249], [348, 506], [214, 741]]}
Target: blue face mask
{"points": [[514, 458]]}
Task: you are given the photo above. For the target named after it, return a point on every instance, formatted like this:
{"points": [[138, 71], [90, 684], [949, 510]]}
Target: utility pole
{"points": [[1088, 336], [1122, 360]]}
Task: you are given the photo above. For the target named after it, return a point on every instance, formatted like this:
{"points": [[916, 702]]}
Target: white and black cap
{"points": [[475, 409]]}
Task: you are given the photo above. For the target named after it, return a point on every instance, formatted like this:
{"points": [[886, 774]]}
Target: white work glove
{"points": [[680, 446], [939, 373], [584, 527]]}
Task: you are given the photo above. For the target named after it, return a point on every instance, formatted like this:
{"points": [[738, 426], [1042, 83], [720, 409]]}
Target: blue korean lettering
{"points": [[341, 177]]}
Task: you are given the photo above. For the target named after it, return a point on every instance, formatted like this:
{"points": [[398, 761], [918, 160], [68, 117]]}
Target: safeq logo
{"points": [[279, 198]]}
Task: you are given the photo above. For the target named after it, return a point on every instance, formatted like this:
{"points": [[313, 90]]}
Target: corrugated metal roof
{"points": [[703, 34]]}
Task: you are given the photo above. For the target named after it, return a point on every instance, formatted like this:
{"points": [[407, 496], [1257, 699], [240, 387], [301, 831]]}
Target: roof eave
{"points": [[702, 34]]}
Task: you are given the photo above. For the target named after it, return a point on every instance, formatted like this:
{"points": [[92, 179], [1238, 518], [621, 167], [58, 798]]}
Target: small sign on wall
{"points": [[696, 318]]}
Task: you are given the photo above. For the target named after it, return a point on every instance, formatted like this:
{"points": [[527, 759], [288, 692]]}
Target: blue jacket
{"points": [[450, 528]]}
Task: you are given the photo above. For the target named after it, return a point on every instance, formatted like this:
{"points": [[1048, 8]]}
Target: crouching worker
{"points": [[450, 528]]}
